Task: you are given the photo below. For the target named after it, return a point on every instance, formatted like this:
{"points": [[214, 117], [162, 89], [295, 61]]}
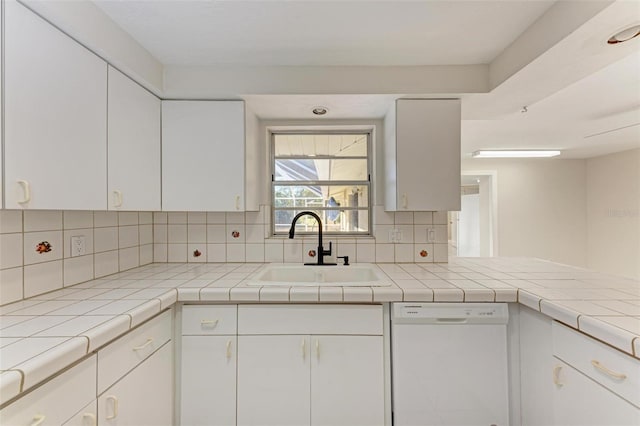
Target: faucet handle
{"points": [[346, 259], [327, 252]]}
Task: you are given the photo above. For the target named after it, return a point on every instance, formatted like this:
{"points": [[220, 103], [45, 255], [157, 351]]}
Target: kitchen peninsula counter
{"points": [[45, 334]]}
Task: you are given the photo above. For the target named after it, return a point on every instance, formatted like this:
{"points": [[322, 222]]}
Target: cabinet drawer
{"points": [[310, 319], [201, 320], [613, 369], [119, 357], [57, 400]]}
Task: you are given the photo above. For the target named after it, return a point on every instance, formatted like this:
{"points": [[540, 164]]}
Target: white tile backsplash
{"points": [[10, 250], [42, 278], [75, 219], [11, 285], [117, 241], [10, 221], [36, 242]]}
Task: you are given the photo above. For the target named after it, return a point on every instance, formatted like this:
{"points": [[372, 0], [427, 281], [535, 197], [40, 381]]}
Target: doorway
{"points": [[473, 230]]}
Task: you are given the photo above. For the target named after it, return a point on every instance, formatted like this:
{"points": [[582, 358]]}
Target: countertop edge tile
{"points": [[100, 335], [10, 384], [52, 361], [608, 333]]}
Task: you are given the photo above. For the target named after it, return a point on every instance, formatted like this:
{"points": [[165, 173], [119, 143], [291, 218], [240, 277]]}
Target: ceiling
{"points": [[307, 32], [582, 96]]}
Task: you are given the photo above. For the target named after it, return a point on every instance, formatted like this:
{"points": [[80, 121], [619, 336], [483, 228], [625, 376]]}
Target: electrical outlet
{"points": [[78, 245], [431, 235], [395, 235]]}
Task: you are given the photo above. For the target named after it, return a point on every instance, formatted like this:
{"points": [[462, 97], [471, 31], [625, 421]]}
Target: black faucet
{"points": [[321, 251]]}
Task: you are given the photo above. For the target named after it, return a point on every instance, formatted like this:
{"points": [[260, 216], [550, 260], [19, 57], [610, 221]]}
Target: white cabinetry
{"points": [[135, 376], [69, 397], [55, 111], [422, 155], [142, 397], [203, 156], [134, 145], [593, 384], [208, 366], [536, 387], [324, 366]]}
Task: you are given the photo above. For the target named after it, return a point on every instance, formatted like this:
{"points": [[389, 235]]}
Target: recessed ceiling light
{"points": [[625, 35], [518, 153], [319, 110]]}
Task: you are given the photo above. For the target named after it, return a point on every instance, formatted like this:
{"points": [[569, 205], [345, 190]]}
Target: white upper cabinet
{"points": [[55, 113], [203, 156], [422, 155], [134, 145]]}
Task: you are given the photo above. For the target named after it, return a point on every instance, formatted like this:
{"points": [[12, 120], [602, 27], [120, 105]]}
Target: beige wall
{"points": [[541, 207], [613, 213]]}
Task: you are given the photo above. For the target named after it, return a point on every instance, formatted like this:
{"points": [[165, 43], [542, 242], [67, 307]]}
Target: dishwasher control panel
{"points": [[450, 313]]}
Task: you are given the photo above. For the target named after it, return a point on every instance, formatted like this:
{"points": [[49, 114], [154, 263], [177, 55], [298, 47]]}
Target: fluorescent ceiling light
{"points": [[521, 153]]}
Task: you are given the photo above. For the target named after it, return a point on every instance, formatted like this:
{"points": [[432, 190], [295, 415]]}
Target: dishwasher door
{"points": [[449, 364]]}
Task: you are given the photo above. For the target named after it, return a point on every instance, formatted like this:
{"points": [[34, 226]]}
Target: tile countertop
{"points": [[44, 334]]}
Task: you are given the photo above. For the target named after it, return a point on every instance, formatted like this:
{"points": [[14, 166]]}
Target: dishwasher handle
{"points": [[451, 320]]}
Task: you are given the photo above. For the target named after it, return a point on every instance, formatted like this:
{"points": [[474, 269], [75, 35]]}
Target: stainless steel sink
{"points": [[355, 275]]}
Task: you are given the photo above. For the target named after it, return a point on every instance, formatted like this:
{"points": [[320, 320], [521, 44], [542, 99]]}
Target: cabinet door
{"points": [[347, 380], [579, 401], [142, 397], [57, 400], [203, 155], [88, 416], [55, 113], [273, 380], [208, 375], [428, 154], [134, 145]]}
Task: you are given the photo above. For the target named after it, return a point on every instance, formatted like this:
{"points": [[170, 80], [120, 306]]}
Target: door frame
{"points": [[492, 175]]}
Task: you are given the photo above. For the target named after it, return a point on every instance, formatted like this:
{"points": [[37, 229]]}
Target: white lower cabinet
{"points": [[208, 390], [322, 368], [347, 382], [310, 380], [88, 416], [593, 384], [143, 397], [294, 365], [59, 401], [580, 401], [274, 380]]}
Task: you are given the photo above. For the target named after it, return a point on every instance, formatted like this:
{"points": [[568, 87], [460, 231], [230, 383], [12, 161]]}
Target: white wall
{"points": [[541, 207], [613, 213]]}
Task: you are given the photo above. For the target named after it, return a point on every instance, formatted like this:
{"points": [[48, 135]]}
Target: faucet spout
{"points": [[321, 251]]}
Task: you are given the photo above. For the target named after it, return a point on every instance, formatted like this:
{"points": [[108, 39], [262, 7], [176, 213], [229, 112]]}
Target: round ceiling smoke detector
{"points": [[319, 110], [625, 35]]}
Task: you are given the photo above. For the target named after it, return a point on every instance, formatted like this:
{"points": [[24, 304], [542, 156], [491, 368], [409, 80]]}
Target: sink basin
{"points": [[356, 275]]}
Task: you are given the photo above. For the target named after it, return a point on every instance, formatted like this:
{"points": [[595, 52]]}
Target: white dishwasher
{"points": [[449, 364]]}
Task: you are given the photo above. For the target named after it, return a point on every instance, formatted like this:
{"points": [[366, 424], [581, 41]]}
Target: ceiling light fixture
{"points": [[515, 153], [319, 110], [625, 35]]}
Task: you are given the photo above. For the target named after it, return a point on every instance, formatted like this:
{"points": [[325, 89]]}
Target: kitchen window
{"points": [[326, 173]]}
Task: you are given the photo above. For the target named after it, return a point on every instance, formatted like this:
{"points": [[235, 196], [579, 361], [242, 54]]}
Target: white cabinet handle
{"points": [[605, 370], [228, 349], [556, 375], [405, 201], [26, 190], [117, 198], [91, 417], [37, 420], [115, 407], [209, 323], [237, 202], [144, 345], [318, 349], [303, 346]]}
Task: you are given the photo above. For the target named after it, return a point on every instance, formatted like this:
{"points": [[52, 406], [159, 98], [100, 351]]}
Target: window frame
{"points": [[368, 183]]}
